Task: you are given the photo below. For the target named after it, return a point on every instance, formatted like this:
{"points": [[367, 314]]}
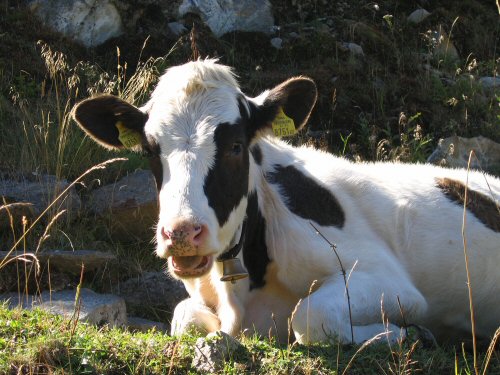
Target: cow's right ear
{"points": [[286, 108], [111, 121]]}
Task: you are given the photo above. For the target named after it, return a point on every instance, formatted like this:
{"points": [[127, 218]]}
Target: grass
{"points": [[34, 342]]}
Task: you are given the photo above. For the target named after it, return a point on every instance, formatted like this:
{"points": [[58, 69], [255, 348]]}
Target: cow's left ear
{"points": [[286, 108], [111, 121]]}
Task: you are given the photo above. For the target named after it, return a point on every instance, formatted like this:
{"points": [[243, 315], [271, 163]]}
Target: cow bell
{"points": [[232, 270]]}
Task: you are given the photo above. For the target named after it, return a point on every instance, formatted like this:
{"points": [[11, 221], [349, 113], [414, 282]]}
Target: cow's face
{"points": [[197, 128]]}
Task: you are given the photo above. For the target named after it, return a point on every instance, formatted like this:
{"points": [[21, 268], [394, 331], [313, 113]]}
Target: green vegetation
{"points": [[34, 342]]}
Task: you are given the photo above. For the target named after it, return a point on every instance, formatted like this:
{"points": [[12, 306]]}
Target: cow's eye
{"points": [[236, 149]]}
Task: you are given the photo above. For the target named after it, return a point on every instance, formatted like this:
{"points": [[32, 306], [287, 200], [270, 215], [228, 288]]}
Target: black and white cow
{"points": [[397, 228]]}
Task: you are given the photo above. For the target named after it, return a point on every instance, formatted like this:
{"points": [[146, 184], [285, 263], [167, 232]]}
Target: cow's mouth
{"points": [[191, 266]]}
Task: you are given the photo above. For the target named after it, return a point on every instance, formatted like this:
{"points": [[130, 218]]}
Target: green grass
{"points": [[35, 342]]}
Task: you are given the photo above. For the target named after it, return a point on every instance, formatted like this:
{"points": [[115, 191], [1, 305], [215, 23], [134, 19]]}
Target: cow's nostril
{"points": [[198, 234], [166, 234]]}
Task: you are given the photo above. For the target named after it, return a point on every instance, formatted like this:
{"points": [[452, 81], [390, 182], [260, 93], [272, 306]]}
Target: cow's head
{"points": [[197, 128]]}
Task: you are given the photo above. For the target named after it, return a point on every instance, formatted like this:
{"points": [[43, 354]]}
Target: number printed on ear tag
{"points": [[283, 126], [128, 137]]}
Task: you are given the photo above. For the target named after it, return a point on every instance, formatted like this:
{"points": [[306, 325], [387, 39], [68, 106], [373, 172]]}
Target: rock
{"points": [[354, 48], [176, 28], [68, 261], [454, 152], [15, 212], [224, 16], [489, 83], [90, 22], [213, 350], [277, 43], [136, 324], [156, 290], [418, 16], [130, 205], [40, 191], [95, 308], [444, 49]]}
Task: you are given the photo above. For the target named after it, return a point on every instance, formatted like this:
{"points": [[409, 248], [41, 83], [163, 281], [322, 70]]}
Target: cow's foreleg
{"points": [[189, 314], [373, 303]]}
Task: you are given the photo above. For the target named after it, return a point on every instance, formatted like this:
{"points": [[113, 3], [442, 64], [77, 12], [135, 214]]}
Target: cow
{"points": [[333, 249]]}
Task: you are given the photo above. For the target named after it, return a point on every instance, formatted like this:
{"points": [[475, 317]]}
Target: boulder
{"points": [[95, 308], [11, 215], [454, 152], [224, 16], [39, 191], [67, 261], [156, 290], [130, 205], [90, 22]]}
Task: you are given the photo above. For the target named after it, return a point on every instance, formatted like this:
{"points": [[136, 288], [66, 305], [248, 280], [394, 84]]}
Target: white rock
{"points": [[91, 22], [418, 16], [224, 16], [94, 308]]}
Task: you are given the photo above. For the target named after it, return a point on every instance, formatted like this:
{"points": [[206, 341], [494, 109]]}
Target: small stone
{"points": [[277, 43], [94, 308], [418, 16], [354, 48], [213, 350]]}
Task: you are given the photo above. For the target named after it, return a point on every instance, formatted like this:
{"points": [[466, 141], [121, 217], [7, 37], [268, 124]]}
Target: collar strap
{"points": [[234, 251]]}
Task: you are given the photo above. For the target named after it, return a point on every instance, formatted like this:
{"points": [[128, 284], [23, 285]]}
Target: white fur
{"points": [[401, 239]]}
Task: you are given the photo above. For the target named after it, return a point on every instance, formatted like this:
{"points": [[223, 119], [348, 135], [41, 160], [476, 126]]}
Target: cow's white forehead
{"points": [[191, 99]]}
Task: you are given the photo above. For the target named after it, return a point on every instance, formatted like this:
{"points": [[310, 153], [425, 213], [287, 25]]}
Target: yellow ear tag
{"points": [[128, 137], [283, 126]]}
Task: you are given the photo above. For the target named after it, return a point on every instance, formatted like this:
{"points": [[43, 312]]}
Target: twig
{"points": [[344, 275], [469, 286]]}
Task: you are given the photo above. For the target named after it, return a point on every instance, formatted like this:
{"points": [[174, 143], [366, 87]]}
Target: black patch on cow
{"points": [[256, 153], [481, 206], [306, 198], [227, 181], [255, 255]]}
